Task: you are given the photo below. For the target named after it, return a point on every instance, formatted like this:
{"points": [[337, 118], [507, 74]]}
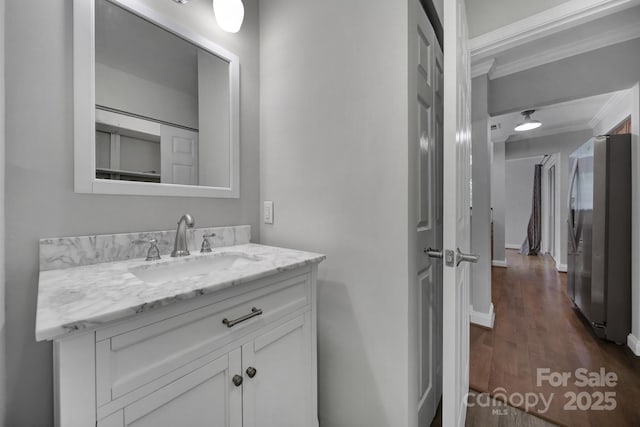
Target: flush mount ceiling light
{"points": [[182, 1], [229, 14], [529, 123]]}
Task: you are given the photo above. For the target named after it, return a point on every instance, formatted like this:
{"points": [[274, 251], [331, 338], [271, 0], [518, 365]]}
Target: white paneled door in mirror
{"points": [[156, 106]]}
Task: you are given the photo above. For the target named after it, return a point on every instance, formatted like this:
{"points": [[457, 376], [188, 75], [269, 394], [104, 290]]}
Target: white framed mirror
{"points": [[156, 105]]}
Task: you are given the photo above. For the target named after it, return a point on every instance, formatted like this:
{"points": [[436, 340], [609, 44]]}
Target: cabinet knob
{"points": [[237, 380], [251, 371]]}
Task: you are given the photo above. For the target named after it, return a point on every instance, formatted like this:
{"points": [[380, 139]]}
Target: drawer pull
{"points": [[231, 323]]}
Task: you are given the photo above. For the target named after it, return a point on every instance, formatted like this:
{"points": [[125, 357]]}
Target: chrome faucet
{"points": [[180, 245]]}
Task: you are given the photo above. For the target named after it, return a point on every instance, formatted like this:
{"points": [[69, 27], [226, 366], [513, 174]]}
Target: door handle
{"points": [[461, 256], [432, 253]]}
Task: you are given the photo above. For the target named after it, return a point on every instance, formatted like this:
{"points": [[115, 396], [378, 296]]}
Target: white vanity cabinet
{"points": [[190, 364]]}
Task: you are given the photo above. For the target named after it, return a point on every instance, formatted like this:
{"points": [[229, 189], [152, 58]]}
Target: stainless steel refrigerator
{"points": [[599, 243]]}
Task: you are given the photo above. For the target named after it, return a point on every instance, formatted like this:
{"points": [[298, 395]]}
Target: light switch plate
{"points": [[268, 212]]}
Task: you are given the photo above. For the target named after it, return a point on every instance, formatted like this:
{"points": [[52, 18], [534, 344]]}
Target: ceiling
{"points": [[488, 15], [526, 36], [563, 117], [568, 29]]}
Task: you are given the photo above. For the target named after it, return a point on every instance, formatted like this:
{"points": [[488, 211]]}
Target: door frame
{"points": [[546, 227]]}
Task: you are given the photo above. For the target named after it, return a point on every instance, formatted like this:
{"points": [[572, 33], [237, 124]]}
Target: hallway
{"points": [[537, 327]]}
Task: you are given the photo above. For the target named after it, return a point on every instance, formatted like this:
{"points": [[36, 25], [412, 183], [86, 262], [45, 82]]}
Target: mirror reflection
{"points": [[162, 104]]}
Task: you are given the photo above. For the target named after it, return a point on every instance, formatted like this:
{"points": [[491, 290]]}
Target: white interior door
{"points": [[552, 211], [428, 154], [456, 208]]}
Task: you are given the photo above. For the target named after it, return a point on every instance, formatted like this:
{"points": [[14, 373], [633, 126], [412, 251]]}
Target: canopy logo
{"points": [[589, 399], [499, 399]]}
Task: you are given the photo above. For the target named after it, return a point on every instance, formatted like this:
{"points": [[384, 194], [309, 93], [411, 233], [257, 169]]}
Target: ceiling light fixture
{"points": [[229, 14], [529, 123]]}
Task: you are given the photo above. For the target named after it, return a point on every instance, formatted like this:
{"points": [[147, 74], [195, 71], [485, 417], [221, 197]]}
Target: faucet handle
{"points": [[153, 253], [206, 245]]}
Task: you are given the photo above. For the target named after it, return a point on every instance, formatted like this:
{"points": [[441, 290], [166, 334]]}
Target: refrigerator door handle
{"points": [[572, 180], [572, 211], [572, 237]]}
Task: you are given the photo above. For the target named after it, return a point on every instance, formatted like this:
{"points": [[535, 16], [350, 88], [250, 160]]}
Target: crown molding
{"points": [[481, 68], [596, 41], [610, 106], [550, 21], [500, 140], [618, 107]]}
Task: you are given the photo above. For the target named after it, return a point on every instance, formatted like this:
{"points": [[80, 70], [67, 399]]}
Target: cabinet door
{"points": [[279, 394], [205, 397]]}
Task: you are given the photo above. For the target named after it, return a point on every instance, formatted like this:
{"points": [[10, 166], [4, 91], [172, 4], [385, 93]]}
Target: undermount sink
{"points": [[190, 267]]}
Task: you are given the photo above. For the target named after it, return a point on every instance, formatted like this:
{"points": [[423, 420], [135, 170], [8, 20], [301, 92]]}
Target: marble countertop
{"points": [[88, 296]]}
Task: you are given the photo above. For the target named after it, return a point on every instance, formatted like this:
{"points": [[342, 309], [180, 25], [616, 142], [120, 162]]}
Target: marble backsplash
{"points": [[65, 252]]}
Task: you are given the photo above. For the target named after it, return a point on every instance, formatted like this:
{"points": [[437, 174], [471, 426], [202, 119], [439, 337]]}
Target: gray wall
{"points": [[481, 217], [333, 137], [127, 92], [609, 69], [497, 200], [519, 185], [488, 15], [564, 144], [39, 186], [213, 120], [3, 381]]}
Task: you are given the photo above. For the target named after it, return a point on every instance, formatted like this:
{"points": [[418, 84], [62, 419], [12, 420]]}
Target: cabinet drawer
{"points": [[132, 359]]}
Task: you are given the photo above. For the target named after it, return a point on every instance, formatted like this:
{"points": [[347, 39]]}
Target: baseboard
{"points": [[561, 267], [512, 246], [499, 263], [485, 320], [634, 344]]}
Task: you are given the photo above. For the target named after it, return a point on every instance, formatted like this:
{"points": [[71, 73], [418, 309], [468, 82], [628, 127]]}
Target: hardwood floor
{"points": [[537, 327]]}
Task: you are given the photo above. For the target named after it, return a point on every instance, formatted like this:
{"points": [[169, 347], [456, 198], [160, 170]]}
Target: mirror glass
{"points": [[162, 104]]}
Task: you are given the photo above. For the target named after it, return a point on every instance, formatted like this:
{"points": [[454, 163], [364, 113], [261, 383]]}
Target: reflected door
{"points": [[179, 155]]}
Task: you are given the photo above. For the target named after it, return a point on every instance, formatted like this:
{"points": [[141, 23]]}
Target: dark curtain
{"points": [[531, 245]]}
